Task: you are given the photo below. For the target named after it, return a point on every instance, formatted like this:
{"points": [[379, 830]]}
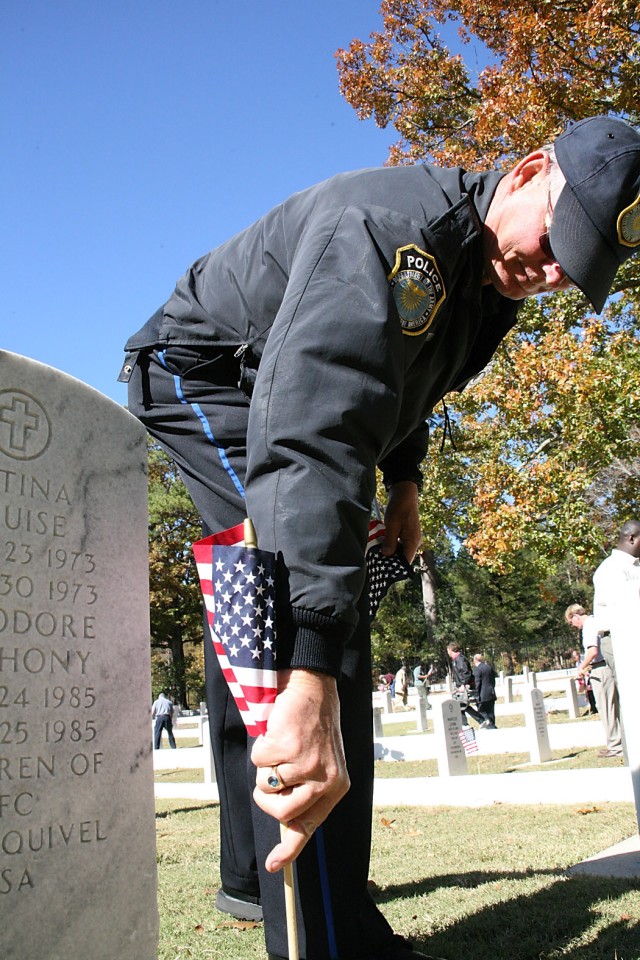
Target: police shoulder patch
{"points": [[417, 288], [629, 224]]}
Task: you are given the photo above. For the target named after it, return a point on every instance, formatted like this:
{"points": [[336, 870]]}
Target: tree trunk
{"points": [[426, 566], [177, 655]]}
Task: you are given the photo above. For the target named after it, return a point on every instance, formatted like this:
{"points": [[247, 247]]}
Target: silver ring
{"points": [[274, 780]]}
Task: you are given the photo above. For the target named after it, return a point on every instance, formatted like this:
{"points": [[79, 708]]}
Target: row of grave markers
{"points": [[447, 717]]}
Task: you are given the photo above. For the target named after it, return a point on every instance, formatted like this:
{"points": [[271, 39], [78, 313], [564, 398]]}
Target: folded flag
{"points": [[468, 740], [383, 572]]}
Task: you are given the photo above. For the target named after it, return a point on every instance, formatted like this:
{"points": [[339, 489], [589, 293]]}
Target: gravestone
{"points": [[452, 759], [208, 764], [422, 724], [573, 703], [536, 725], [508, 690], [77, 823], [378, 730]]}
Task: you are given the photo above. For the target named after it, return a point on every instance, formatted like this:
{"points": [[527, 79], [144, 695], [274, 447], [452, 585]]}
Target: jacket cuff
{"points": [[318, 643], [415, 476]]}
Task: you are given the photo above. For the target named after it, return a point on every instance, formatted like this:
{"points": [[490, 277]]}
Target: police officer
{"points": [[290, 363]]}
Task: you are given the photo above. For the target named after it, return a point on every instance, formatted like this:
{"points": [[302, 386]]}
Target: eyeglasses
{"points": [[543, 239]]}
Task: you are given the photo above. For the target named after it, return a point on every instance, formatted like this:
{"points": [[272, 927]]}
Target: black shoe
{"points": [[238, 907]]}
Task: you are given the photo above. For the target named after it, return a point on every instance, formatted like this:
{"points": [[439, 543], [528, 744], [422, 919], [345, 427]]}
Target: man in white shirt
{"points": [[616, 583], [616, 608], [602, 681]]}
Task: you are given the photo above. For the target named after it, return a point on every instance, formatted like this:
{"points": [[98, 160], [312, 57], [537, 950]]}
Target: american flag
{"points": [[468, 740], [238, 586], [383, 572]]}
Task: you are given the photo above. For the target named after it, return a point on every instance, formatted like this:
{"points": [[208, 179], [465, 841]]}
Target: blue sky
{"points": [[138, 135]]}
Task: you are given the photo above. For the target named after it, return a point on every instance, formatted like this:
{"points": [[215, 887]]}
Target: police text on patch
{"points": [[417, 288]]}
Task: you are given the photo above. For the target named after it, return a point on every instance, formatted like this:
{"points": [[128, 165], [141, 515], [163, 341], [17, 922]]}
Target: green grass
{"points": [[478, 884], [181, 775], [180, 743], [408, 726], [578, 758]]}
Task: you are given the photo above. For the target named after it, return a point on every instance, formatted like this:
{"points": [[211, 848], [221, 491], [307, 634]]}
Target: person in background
{"points": [[616, 585], [401, 684], [421, 682], [584, 682], [484, 676], [602, 679], [464, 683], [162, 713]]}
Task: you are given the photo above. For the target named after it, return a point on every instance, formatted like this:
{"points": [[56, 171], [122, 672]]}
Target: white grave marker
{"points": [[77, 824], [452, 760], [536, 724]]}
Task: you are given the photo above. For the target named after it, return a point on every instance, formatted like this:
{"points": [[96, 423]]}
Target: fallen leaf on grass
{"points": [[238, 924], [585, 810], [199, 928]]}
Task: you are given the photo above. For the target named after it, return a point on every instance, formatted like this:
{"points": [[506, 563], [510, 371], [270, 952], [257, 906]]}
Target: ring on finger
{"points": [[274, 780]]}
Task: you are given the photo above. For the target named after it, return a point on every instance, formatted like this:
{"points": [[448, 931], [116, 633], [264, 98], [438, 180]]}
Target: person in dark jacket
{"points": [[288, 366], [465, 692], [484, 676]]}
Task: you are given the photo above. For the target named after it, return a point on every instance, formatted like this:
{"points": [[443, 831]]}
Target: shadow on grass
{"points": [[546, 925], [474, 878], [175, 811]]}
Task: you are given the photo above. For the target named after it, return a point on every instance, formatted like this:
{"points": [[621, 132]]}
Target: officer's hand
{"points": [[304, 742], [402, 520]]}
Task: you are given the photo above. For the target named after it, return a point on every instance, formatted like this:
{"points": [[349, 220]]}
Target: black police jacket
{"points": [[357, 305]]}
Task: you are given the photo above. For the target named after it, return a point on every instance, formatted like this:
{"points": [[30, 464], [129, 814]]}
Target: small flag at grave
{"points": [[468, 740]]}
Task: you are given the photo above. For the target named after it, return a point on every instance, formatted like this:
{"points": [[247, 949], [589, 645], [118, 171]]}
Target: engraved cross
{"points": [[21, 422]]}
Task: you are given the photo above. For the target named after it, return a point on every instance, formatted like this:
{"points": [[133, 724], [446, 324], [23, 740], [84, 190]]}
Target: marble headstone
{"points": [[77, 830], [536, 724], [452, 759]]}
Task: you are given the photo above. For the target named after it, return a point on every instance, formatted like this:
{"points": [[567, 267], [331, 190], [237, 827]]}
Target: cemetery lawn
{"points": [[401, 728], [574, 758], [463, 884]]}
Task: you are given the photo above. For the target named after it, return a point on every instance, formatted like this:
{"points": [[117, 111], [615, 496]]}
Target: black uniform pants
{"points": [[189, 401]]}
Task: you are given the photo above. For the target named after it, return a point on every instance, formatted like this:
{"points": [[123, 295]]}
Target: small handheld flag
{"points": [[238, 585], [383, 572], [468, 740]]}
